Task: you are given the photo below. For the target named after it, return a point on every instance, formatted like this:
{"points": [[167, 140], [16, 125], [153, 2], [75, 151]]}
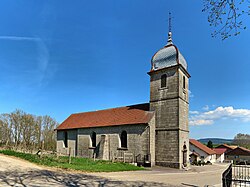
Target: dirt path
{"points": [[17, 172]]}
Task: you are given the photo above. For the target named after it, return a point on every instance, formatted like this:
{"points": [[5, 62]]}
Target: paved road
{"points": [[196, 176], [16, 172]]}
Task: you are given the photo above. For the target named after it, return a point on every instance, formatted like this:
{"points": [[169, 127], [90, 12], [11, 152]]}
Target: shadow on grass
{"points": [[52, 178]]}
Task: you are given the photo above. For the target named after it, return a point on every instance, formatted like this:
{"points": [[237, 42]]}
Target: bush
{"points": [[208, 163], [194, 162], [201, 163]]}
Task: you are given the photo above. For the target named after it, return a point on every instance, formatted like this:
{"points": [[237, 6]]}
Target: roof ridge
{"points": [[110, 108], [202, 146]]}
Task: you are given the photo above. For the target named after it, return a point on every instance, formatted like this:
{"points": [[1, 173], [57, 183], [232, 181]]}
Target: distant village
{"points": [[201, 154]]}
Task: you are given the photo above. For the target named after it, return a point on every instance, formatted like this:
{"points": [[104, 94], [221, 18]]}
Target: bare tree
{"points": [[5, 129], [225, 16], [26, 131], [48, 133]]}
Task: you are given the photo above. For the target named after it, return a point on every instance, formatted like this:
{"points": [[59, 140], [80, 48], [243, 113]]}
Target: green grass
{"points": [[82, 164]]}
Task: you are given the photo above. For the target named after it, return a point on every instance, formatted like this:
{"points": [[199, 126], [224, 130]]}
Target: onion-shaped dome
{"points": [[168, 56]]}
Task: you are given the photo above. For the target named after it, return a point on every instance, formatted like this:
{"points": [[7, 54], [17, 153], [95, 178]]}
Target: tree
{"points": [[242, 140], [210, 144], [225, 16], [21, 130]]}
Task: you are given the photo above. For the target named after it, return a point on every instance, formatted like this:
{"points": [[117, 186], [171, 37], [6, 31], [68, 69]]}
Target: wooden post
{"points": [[70, 155], [94, 156], [42, 148], [124, 157]]}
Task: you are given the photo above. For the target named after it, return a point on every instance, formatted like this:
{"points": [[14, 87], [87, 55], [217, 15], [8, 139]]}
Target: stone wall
{"points": [[72, 143], [171, 107], [140, 141]]}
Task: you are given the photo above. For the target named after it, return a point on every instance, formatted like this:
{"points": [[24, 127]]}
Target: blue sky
{"points": [[61, 57]]}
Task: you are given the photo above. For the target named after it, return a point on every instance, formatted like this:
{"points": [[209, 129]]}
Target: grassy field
{"points": [[82, 164]]}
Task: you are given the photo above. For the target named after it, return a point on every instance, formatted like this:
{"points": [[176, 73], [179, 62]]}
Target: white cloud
{"points": [[209, 117], [201, 122], [19, 38], [193, 112], [205, 108], [42, 71]]}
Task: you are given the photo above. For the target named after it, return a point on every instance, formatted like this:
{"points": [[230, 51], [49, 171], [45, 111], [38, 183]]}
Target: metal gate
{"points": [[236, 175]]}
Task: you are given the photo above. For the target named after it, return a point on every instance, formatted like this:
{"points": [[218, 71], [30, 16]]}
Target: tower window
{"points": [[184, 82], [65, 140], [93, 139], [164, 81], [124, 140]]}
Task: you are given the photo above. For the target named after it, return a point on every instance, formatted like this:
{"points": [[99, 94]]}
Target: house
{"points": [[220, 154], [201, 152], [239, 154], [227, 147], [156, 132]]}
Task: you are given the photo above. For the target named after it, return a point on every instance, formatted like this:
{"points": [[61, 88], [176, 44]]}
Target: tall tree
{"points": [[210, 144]]}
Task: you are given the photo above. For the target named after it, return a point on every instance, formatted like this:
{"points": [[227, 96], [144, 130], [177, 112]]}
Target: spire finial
{"points": [[169, 22], [169, 29]]}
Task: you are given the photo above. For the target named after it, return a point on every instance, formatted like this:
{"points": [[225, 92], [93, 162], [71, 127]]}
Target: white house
{"points": [[201, 151], [220, 154]]}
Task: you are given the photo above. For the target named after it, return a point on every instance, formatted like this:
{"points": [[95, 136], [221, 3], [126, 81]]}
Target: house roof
{"points": [[220, 151], [230, 147], [128, 115], [239, 151], [201, 146]]}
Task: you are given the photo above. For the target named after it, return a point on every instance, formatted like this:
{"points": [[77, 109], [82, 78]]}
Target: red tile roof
{"points": [[202, 146], [227, 146], [128, 115], [220, 151], [239, 151]]}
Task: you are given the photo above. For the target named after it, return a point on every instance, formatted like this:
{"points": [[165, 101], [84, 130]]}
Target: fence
{"points": [[236, 175], [115, 156]]}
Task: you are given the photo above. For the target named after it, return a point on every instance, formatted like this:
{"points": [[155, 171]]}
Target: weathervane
{"points": [[169, 22], [169, 30]]}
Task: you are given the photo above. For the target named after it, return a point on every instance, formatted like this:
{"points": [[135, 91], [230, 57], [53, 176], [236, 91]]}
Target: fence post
{"points": [[70, 155], [124, 159]]}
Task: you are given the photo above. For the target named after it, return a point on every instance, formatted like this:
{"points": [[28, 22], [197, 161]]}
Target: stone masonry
{"points": [[140, 141], [171, 109]]}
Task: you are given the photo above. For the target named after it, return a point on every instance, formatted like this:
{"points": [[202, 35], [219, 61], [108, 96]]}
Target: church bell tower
{"points": [[169, 82]]}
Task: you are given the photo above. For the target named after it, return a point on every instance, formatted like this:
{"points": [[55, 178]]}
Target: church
{"points": [[154, 133]]}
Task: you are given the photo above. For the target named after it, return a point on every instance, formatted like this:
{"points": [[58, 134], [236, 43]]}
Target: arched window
{"points": [[184, 82], [65, 140], [124, 140], [93, 139], [164, 81]]}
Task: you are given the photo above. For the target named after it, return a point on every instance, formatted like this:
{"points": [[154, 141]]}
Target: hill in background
{"points": [[216, 140]]}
